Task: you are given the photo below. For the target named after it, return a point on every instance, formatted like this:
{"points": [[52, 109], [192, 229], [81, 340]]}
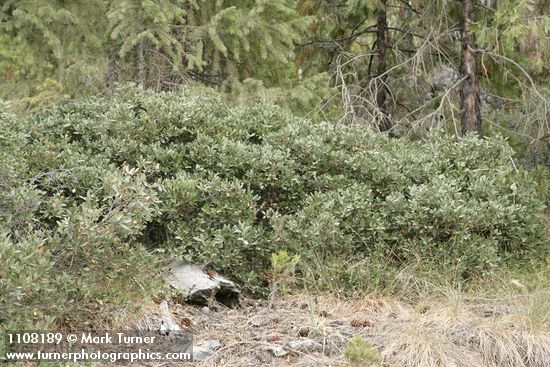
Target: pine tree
{"points": [[470, 91], [247, 39], [384, 121], [53, 39], [228, 45], [140, 27], [356, 50]]}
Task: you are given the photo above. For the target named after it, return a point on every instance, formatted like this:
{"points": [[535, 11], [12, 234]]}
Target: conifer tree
{"points": [[57, 40], [243, 39], [385, 56], [469, 92], [140, 26], [384, 123]]}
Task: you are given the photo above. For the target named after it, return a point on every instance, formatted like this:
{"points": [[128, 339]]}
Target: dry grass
{"points": [[455, 330], [501, 324], [510, 331]]}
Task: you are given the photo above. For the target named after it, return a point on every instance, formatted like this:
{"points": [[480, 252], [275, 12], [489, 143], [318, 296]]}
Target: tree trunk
{"points": [[142, 67], [110, 76], [470, 91], [384, 122]]}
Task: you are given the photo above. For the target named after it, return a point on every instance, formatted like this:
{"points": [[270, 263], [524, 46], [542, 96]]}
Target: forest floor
{"points": [[313, 330]]}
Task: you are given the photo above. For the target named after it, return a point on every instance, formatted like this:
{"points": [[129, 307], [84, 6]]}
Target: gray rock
{"points": [[211, 344], [443, 77], [167, 323], [198, 287], [205, 350], [276, 350], [200, 354], [303, 345]]}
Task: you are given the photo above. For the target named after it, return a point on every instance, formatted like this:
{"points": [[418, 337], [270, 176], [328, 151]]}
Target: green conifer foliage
{"points": [[51, 40], [139, 27], [247, 39]]}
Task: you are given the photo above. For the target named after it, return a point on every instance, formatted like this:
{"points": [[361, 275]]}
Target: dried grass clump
{"points": [[470, 333]]}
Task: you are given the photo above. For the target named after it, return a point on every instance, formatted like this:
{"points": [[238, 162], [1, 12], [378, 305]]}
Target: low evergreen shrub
{"points": [[90, 189]]}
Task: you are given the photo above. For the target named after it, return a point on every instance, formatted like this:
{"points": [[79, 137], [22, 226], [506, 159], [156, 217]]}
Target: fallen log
{"points": [[197, 286]]}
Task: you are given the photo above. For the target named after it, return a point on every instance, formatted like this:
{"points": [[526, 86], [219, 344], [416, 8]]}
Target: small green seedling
{"points": [[283, 272], [360, 352]]}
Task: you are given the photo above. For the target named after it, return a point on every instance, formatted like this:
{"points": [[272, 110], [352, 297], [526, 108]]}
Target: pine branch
{"points": [[338, 40]]}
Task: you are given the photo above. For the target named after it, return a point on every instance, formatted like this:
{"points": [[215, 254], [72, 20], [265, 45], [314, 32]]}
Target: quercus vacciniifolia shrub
{"points": [[89, 189]]}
